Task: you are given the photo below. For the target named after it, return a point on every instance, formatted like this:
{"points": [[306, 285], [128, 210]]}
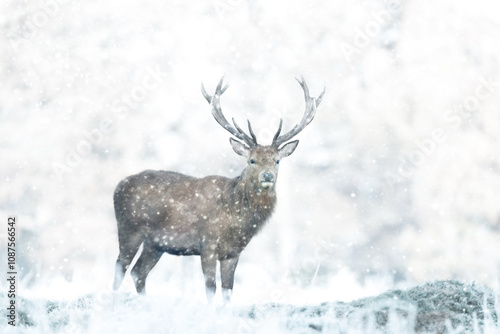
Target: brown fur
{"points": [[214, 217]]}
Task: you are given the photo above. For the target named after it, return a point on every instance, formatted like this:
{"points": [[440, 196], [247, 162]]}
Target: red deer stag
{"points": [[214, 217]]}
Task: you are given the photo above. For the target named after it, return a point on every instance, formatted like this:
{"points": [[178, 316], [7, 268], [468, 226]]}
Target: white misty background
{"points": [[396, 178]]}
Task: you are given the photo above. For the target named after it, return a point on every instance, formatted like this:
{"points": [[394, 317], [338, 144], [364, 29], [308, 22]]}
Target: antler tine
{"points": [[250, 141], [251, 132], [219, 116], [218, 91], [205, 94], [320, 97], [310, 112], [303, 84], [278, 132]]}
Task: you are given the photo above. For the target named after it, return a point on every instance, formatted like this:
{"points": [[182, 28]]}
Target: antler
{"points": [[219, 117], [311, 104]]}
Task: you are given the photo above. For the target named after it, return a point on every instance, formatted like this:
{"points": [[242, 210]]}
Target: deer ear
{"points": [[288, 148], [239, 147]]}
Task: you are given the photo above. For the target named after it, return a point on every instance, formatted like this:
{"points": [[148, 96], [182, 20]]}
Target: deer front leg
{"points": [[208, 266], [227, 268]]}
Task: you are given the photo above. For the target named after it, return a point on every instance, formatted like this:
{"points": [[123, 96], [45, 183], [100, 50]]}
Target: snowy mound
{"points": [[437, 307]]}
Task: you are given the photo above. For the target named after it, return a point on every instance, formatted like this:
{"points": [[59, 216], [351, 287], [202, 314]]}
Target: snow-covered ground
{"points": [[393, 184], [436, 307]]}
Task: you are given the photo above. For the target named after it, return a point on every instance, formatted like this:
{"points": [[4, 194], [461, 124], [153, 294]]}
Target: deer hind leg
{"points": [[148, 259], [129, 245], [227, 269], [208, 266]]}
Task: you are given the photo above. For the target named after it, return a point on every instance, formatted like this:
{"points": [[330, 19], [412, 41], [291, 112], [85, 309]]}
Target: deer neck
{"points": [[253, 205]]}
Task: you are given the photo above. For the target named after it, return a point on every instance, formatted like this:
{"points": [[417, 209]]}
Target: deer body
{"points": [[214, 217]]}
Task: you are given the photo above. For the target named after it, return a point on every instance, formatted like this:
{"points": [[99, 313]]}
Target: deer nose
{"points": [[268, 176]]}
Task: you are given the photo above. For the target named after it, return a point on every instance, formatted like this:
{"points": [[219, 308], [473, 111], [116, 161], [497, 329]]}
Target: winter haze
{"points": [[394, 182]]}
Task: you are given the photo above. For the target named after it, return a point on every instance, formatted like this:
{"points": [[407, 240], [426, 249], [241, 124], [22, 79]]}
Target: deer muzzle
{"points": [[267, 179]]}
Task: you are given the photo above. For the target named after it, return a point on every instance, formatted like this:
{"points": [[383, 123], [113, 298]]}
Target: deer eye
{"points": [[277, 162], [252, 161]]}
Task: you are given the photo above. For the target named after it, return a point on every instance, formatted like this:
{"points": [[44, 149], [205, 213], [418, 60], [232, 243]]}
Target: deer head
{"points": [[262, 160]]}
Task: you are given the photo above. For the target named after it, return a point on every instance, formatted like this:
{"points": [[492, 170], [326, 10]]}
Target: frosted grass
{"points": [[435, 307]]}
